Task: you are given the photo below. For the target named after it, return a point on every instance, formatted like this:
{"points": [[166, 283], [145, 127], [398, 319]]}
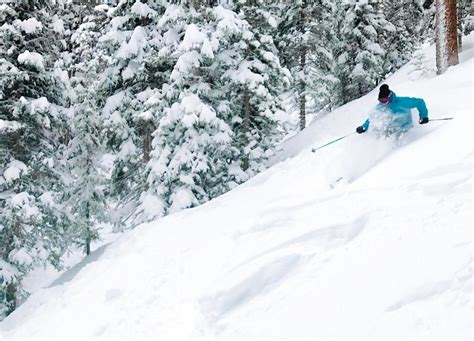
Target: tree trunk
{"points": [[464, 9], [302, 105], [441, 43], [246, 124], [459, 25], [88, 222], [88, 231], [11, 297], [303, 52], [9, 290], [459, 41], [147, 141], [452, 28], [446, 35], [302, 94]]}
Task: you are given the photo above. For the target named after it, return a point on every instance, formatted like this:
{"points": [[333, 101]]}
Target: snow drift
{"points": [[363, 238]]}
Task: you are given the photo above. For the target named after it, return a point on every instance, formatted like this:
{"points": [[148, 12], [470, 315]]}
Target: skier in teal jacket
{"points": [[392, 116]]}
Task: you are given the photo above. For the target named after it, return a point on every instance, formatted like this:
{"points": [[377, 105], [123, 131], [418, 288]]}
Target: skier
{"points": [[392, 116]]}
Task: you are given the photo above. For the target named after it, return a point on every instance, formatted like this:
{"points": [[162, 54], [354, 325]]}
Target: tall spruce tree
{"points": [[32, 119], [85, 196], [254, 81], [360, 53], [192, 143], [125, 85], [86, 199], [306, 39], [221, 105]]}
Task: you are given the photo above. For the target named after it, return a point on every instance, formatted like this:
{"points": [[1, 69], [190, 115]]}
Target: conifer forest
{"points": [[116, 113]]}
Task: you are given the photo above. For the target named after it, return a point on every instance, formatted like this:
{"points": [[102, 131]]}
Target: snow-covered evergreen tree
{"points": [[32, 120], [85, 195], [253, 80], [410, 23], [86, 199], [262, 15], [191, 145], [306, 38], [125, 85], [220, 111], [360, 53]]}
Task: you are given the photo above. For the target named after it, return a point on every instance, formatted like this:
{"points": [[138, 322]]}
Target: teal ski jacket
{"points": [[396, 115]]}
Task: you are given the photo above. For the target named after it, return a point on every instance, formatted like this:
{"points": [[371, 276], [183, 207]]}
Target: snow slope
{"points": [[365, 238]]}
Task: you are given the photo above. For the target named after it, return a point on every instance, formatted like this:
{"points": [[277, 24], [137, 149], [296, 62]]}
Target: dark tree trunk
{"points": [[303, 52], [452, 30], [459, 27], [88, 231], [147, 141], [88, 222], [11, 297], [246, 124], [302, 105], [10, 291], [446, 35]]}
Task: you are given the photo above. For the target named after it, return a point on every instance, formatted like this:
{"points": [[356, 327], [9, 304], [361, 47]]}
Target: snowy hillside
{"points": [[363, 238]]}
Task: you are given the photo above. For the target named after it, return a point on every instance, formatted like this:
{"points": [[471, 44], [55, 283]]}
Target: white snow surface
{"points": [[364, 238]]}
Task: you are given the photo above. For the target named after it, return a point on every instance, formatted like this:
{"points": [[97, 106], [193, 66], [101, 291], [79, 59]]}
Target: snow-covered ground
{"points": [[364, 238]]}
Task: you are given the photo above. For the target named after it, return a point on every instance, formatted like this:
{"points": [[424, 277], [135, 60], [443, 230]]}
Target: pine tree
{"points": [[306, 40], [253, 81], [32, 171], [126, 84], [86, 199], [191, 145], [220, 107], [407, 33], [262, 15], [360, 56], [85, 194]]}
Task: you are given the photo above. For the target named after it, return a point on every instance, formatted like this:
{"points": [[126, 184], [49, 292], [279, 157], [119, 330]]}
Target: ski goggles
{"points": [[384, 100]]}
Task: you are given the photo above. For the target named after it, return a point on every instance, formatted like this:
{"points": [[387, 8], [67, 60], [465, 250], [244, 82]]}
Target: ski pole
{"points": [[329, 143], [441, 119]]}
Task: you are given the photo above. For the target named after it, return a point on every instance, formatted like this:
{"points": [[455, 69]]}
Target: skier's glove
{"points": [[424, 120], [360, 130]]}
